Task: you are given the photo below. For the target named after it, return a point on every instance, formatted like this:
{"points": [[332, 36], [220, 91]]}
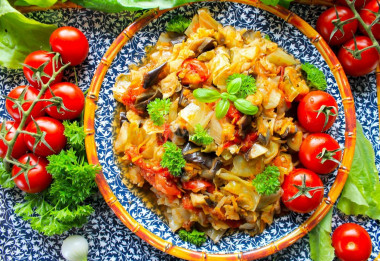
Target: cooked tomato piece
{"points": [[193, 72], [198, 185]]}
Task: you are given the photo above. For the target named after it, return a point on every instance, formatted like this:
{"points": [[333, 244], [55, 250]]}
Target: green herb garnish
{"points": [[314, 77], [178, 24], [201, 137], [157, 109], [238, 87], [267, 182], [173, 159], [194, 236], [74, 134]]}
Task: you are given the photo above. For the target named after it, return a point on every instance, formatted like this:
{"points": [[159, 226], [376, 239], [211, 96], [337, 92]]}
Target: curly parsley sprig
{"points": [[158, 109], [178, 24], [314, 77], [200, 136], [194, 236], [267, 182], [173, 159]]}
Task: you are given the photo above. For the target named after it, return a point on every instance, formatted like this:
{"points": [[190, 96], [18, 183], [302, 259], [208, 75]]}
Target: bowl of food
{"points": [[192, 114]]}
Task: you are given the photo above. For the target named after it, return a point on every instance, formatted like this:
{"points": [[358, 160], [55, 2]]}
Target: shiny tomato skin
{"points": [[198, 185], [35, 60], [368, 17], [19, 147], [39, 178], [302, 204], [307, 111], [358, 3], [312, 146], [367, 63], [193, 71], [54, 136], [325, 26], [351, 242], [30, 95], [72, 98], [71, 43]]}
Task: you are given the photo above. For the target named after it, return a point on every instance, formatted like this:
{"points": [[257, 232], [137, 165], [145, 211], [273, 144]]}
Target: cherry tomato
{"points": [[35, 60], [71, 43], [193, 72], [54, 136], [317, 111], [358, 3], [320, 153], [368, 17], [30, 95], [303, 191], [325, 25], [351, 242], [72, 98], [19, 147], [358, 67], [39, 179], [198, 185]]}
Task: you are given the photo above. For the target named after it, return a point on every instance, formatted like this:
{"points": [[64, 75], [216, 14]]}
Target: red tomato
{"points": [[186, 202], [19, 147], [35, 60], [193, 72], [317, 111], [39, 179], [72, 98], [198, 185], [71, 43], [325, 25], [368, 17], [358, 3], [54, 136], [310, 186], [358, 67], [320, 153], [351, 242], [30, 95]]}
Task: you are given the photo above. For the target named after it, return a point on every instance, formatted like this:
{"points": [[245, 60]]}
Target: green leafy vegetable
{"points": [[221, 108], [201, 136], [248, 84], [178, 24], [194, 237], [40, 3], [267, 37], [320, 240], [361, 193], [157, 109], [20, 36], [206, 95], [173, 159], [284, 3], [245, 107], [5, 177], [267, 182], [315, 77], [75, 135]]}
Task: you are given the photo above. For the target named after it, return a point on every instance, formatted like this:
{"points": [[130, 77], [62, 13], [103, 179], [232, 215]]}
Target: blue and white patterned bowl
{"points": [[132, 199]]}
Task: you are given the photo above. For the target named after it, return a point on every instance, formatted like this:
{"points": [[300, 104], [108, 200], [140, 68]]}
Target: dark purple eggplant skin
{"points": [[151, 77], [208, 160], [145, 98]]}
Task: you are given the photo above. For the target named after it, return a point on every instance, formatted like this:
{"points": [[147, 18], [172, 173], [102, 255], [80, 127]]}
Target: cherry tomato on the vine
{"points": [[71, 43], [358, 67], [368, 16], [317, 111], [35, 60], [38, 178], [320, 153], [72, 99], [193, 72], [30, 94], [325, 25], [351, 242], [19, 147], [303, 191], [53, 135]]}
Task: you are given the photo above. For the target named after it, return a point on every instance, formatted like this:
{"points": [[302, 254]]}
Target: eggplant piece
{"points": [[208, 160], [176, 38], [244, 125], [123, 117], [146, 97], [264, 139], [207, 45], [151, 77], [183, 133]]}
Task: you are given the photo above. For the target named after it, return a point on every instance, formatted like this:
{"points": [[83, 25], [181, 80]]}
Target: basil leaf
{"points": [[361, 193], [320, 240], [206, 95], [245, 107], [221, 108], [234, 86]]}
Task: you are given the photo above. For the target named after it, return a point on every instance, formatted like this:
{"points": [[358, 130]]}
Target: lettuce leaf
{"points": [[40, 3], [20, 36], [361, 193], [320, 240]]}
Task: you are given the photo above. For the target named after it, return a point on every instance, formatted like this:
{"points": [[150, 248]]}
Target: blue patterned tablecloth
{"points": [[108, 238]]}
